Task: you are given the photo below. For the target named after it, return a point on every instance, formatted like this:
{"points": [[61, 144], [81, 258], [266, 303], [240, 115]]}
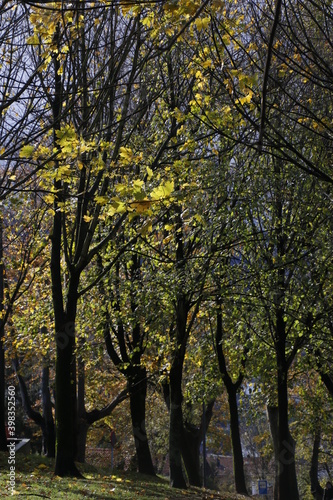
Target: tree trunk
{"points": [[45, 421], [287, 484], [237, 453], [66, 431], [232, 389], [191, 441], [273, 418], [65, 383], [137, 384], [49, 432], [82, 423], [316, 490], [176, 423], [82, 433], [65, 379]]}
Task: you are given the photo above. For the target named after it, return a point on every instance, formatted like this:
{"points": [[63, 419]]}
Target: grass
{"points": [[34, 479]]}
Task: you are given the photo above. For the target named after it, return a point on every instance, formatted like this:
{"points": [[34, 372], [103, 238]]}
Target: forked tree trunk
{"points": [[191, 442], [45, 421], [64, 317]]}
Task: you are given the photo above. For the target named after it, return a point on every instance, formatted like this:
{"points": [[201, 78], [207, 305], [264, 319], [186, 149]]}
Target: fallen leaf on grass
{"points": [[42, 466]]}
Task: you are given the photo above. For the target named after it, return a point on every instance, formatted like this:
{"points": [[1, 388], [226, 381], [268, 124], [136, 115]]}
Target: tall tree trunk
{"points": [[82, 423], [3, 439], [287, 485], [137, 385], [65, 410], [82, 432], [191, 441], [237, 452], [273, 418], [65, 381], [316, 490], [49, 436], [232, 389], [177, 479]]}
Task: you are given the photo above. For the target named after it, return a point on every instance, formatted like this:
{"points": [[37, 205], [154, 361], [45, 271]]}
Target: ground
{"points": [[34, 479]]}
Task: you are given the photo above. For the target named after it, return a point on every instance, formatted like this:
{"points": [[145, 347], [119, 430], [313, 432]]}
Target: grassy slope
{"points": [[35, 479]]}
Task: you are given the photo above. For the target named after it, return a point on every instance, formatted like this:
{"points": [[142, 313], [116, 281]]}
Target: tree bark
{"points": [[273, 418], [82, 432], [137, 384], [66, 401], [316, 490], [82, 424], [136, 377], [49, 436], [232, 389], [237, 452], [65, 379], [177, 479], [287, 484], [191, 440], [45, 421]]}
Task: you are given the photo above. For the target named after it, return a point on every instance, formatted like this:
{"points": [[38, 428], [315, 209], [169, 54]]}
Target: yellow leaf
{"points": [[63, 172], [49, 198], [101, 200], [162, 191], [42, 466], [33, 40], [26, 151], [202, 23], [126, 155], [87, 218], [149, 173]]}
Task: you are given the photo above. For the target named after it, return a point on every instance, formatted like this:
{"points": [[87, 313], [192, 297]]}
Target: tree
{"points": [[232, 387], [90, 117], [125, 334], [45, 421], [17, 88]]}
